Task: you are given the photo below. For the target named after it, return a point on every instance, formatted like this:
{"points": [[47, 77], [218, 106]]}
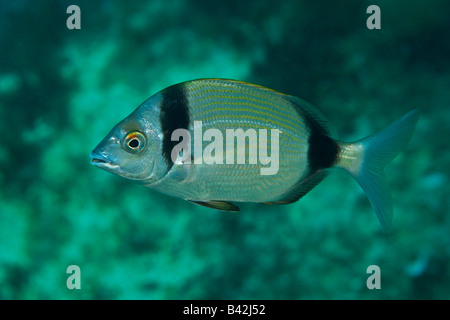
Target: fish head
{"points": [[130, 150]]}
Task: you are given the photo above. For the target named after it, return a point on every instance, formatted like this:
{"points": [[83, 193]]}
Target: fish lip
{"points": [[101, 161]]}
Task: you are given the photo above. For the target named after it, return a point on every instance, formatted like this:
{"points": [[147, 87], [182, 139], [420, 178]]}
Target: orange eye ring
{"points": [[134, 142]]}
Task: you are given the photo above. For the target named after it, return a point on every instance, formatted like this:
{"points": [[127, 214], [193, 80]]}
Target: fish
{"points": [[172, 144]]}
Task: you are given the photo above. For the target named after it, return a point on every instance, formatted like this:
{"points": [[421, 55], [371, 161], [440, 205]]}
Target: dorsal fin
{"points": [[301, 188], [219, 205]]}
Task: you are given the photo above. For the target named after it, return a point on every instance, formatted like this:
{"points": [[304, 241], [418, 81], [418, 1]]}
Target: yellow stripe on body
{"points": [[228, 83], [201, 112], [198, 97], [257, 103], [277, 124]]}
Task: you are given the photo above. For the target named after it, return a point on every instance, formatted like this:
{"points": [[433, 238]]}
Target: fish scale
{"points": [[208, 106]]}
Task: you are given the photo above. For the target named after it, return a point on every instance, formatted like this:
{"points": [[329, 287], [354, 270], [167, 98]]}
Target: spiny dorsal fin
{"points": [[301, 188], [219, 205]]}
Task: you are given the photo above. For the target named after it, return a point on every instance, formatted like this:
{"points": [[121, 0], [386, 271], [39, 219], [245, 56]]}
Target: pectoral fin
{"points": [[219, 205]]}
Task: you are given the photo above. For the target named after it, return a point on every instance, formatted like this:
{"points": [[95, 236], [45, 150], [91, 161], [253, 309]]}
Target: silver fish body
{"points": [[141, 147]]}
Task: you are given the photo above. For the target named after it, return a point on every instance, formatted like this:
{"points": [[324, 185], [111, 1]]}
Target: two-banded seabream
{"points": [[140, 147]]}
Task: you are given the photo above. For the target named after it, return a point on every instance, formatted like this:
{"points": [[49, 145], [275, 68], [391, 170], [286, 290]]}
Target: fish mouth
{"points": [[102, 162]]}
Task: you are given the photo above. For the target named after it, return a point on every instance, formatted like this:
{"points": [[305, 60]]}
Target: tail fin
{"points": [[366, 158]]}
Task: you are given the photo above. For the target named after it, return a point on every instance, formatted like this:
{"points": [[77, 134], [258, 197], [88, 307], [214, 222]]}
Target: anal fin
{"points": [[219, 205], [301, 188]]}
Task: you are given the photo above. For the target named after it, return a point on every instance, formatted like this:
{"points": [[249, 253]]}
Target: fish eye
{"points": [[134, 142]]}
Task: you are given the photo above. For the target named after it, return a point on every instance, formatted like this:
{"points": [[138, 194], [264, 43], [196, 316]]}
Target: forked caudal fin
{"points": [[366, 158]]}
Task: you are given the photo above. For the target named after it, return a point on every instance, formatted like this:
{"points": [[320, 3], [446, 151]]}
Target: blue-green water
{"points": [[62, 90]]}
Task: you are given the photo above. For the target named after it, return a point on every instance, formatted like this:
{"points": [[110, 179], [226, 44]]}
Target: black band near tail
{"points": [[174, 115], [322, 150]]}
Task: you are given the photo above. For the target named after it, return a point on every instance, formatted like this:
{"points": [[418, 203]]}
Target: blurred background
{"points": [[62, 90]]}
